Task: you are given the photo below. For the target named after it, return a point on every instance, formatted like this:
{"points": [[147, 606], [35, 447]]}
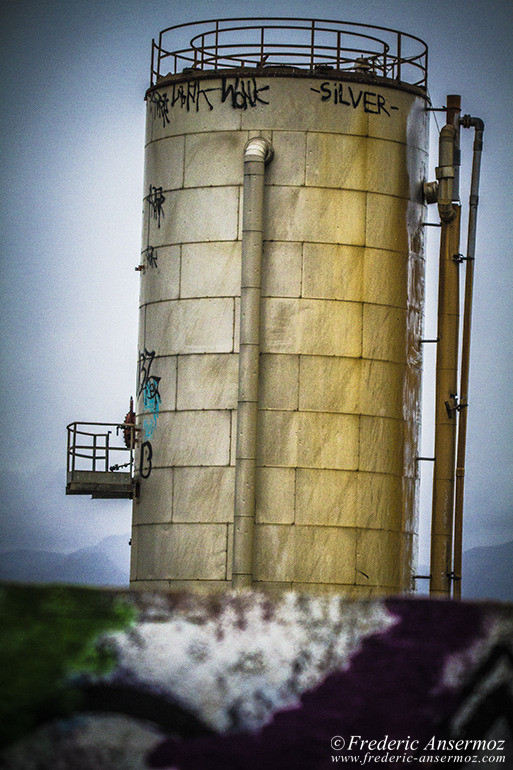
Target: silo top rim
{"points": [[311, 45]]}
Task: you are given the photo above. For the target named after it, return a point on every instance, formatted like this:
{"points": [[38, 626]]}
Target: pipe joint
{"points": [[259, 149]]}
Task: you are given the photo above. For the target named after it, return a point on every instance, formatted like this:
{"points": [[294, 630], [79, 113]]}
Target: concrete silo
{"points": [[298, 147]]}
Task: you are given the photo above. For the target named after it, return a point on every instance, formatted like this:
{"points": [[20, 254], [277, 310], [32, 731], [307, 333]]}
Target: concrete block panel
{"points": [[288, 164], [204, 495], [192, 438], [196, 214], [329, 384], [378, 558], [381, 501], [207, 381], [155, 502], [320, 215], [305, 554], [386, 223], [236, 325], [190, 326], [233, 436], [211, 269], [134, 552], [382, 386], [326, 498], [273, 553], [281, 269], [298, 104], [162, 371], [182, 552], [313, 327], [160, 279], [336, 160], [331, 271], [309, 440], [385, 278], [382, 445], [279, 382], [164, 164], [193, 107], [215, 158], [384, 333], [275, 495]]}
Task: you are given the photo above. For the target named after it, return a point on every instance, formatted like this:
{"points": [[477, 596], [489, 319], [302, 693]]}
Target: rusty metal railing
{"points": [[308, 44], [92, 446]]}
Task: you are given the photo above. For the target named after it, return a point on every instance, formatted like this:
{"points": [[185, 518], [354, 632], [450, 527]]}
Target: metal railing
{"points": [[108, 450], [311, 44]]}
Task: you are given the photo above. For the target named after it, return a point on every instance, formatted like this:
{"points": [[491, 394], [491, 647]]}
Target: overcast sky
{"points": [[73, 80]]}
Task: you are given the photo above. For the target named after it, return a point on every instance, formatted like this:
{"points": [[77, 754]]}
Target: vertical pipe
{"points": [[465, 350], [445, 412], [446, 370], [257, 153]]}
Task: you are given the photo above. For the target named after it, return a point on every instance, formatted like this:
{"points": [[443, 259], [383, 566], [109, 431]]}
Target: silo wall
{"points": [[341, 321]]}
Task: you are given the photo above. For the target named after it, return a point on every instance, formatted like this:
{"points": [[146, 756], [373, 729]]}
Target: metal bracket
{"points": [[459, 258], [423, 341], [430, 224], [430, 459], [454, 407], [435, 109]]}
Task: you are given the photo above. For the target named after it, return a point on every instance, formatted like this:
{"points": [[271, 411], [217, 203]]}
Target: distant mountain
{"points": [[487, 573], [107, 563]]}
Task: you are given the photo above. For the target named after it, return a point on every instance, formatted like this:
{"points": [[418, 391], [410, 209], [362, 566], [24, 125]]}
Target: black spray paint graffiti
{"points": [[145, 461], [341, 93], [150, 255], [241, 93], [159, 106], [155, 198], [148, 387]]}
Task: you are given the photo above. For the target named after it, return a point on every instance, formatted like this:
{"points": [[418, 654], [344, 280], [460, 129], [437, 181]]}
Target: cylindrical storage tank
{"points": [[340, 326]]}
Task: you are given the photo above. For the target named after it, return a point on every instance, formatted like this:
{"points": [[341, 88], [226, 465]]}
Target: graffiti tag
{"points": [[344, 94], [155, 198], [145, 461], [159, 106], [241, 93], [150, 255]]}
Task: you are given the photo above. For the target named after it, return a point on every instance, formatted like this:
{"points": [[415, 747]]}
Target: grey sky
{"points": [[73, 81]]}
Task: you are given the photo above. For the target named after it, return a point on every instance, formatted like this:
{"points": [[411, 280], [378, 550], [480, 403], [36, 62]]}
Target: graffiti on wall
{"points": [[150, 256], [240, 93], [156, 199], [351, 96], [148, 388], [159, 106]]}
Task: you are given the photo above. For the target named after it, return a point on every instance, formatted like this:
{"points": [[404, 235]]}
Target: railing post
{"points": [[338, 49], [107, 450], [74, 447], [399, 56], [312, 45], [217, 44], [94, 451], [261, 46]]}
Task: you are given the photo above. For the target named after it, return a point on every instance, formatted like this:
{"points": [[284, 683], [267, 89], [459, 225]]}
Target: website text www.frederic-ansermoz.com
{"points": [[355, 750]]}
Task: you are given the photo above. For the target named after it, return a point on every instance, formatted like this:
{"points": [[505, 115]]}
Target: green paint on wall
{"points": [[48, 635]]}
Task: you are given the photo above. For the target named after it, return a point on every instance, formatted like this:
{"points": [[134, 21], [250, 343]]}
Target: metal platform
{"points": [[97, 464]]}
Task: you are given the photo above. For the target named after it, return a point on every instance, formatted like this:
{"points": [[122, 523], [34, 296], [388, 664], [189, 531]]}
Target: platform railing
{"points": [[94, 446], [309, 44]]}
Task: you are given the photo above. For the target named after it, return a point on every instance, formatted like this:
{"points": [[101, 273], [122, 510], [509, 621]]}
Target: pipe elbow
{"points": [[258, 149]]}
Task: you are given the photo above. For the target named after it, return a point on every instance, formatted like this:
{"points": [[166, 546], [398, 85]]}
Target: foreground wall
{"points": [[98, 679]]}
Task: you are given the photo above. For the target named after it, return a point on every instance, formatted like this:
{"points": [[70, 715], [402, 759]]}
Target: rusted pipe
{"points": [[257, 153], [478, 125]]}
